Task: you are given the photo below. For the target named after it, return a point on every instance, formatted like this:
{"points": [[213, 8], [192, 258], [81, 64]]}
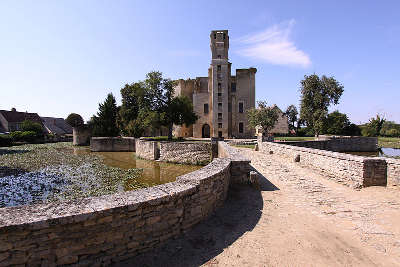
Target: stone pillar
{"points": [[214, 147], [374, 172], [81, 135]]}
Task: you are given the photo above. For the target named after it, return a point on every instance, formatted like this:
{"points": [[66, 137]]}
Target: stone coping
{"points": [[40, 216], [232, 153], [326, 153]]}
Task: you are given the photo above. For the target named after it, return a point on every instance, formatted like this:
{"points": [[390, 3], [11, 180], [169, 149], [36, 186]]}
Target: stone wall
{"points": [[186, 152], [115, 144], [393, 172], [147, 149], [107, 229], [240, 165], [351, 170], [81, 136]]}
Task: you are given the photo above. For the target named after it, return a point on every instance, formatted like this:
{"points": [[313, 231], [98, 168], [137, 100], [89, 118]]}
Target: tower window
{"points": [[240, 107], [219, 94], [219, 87], [219, 56], [219, 106], [240, 127], [219, 115], [205, 108], [224, 36], [215, 36], [219, 125], [233, 87], [219, 134], [219, 67]]}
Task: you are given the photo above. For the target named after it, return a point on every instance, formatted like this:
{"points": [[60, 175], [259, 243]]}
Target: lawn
{"points": [[245, 146], [391, 142]]}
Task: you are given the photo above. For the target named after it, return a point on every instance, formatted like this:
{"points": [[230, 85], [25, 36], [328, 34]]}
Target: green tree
{"points": [[317, 94], [292, 113], [264, 116], [105, 123], [336, 123], [374, 126], [30, 126], [74, 119], [179, 111]]}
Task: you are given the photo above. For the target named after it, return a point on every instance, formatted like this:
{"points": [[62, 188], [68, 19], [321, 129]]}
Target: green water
{"points": [[154, 172]]}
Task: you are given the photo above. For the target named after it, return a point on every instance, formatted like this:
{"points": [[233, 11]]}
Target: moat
{"points": [[40, 173]]}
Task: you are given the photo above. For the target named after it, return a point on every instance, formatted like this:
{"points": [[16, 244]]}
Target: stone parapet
{"points": [[112, 144], [240, 165], [351, 170], [198, 153], [147, 149], [81, 136], [103, 230], [393, 171]]}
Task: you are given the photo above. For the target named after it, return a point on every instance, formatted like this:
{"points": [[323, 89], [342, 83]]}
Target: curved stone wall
{"points": [[102, 230]]}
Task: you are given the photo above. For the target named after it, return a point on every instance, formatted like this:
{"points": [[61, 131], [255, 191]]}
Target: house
{"points": [[221, 99], [281, 126], [56, 126], [11, 120]]}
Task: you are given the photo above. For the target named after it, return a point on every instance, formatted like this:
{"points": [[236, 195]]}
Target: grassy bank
{"points": [[390, 142], [294, 138], [245, 146]]}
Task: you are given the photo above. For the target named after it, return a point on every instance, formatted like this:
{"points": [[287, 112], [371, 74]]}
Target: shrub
{"points": [[393, 133], [5, 140], [30, 126], [27, 136]]}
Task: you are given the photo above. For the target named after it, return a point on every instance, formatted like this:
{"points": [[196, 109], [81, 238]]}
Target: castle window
{"points": [[219, 56], [233, 87], [241, 107], [205, 108], [219, 76], [224, 36], [219, 115], [219, 67], [219, 87], [219, 134], [219, 94], [219, 106], [219, 125], [215, 36], [240, 127]]}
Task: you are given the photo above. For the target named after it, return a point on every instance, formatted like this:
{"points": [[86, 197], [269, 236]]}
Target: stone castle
{"points": [[220, 100]]}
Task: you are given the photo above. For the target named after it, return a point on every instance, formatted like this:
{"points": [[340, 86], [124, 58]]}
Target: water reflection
{"points": [[154, 172], [382, 152]]}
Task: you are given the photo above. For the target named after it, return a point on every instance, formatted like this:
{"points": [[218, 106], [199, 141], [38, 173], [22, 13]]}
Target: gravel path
{"points": [[297, 218]]}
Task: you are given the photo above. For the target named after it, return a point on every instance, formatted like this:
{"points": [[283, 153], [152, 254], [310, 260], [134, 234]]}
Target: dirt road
{"points": [[298, 218]]}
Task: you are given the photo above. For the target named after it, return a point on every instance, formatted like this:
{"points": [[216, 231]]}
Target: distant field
{"points": [[392, 142], [295, 138]]}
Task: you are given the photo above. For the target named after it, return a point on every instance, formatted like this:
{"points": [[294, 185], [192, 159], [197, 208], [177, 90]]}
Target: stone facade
{"points": [[351, 170], [220, 100], [107, 229], [112, 144], [198, 153]]}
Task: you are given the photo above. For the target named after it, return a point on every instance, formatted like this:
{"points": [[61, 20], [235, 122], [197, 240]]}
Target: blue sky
{"points": [[58, 57]]}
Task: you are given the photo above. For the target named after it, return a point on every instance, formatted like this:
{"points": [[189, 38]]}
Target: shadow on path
{"points": [[240, 213]]}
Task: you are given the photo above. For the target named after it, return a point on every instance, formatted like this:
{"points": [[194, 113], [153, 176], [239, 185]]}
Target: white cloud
{"points": [[274, 46]]}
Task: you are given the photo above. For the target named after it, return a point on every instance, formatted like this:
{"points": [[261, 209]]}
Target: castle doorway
{"points": [[205, 131]]}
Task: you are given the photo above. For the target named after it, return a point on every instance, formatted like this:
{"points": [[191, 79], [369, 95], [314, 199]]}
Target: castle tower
{"points": [[218, 83]]}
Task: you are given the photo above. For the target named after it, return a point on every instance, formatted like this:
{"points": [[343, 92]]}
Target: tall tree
{"points": [[264, 116], [74, 119], [105, 123], [292, 113], [374, 126], [317, 94]]}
